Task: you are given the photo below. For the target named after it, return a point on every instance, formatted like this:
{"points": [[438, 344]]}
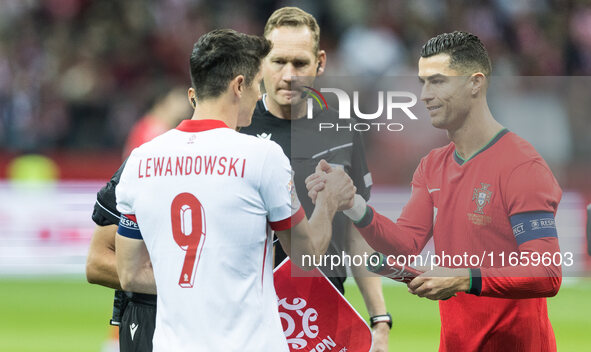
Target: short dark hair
{"points": [[466, 51], [294, 17], [221, 55]]}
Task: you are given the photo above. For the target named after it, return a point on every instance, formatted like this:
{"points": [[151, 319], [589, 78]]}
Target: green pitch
{"points": [[67, 314], [53, 314]]}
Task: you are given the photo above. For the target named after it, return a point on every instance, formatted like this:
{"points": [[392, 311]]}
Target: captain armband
{"points": [[533, 225]]}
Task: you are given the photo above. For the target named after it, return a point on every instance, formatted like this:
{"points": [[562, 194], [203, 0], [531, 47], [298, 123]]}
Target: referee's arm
{"points": [[101, 263], [133, 265]]}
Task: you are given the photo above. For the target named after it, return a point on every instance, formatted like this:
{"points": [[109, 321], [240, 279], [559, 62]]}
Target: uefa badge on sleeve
{"points": [[295, 202]]}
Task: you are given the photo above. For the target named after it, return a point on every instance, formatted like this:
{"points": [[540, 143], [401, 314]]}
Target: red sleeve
{"points": [[412, 230], [531, 281], [288, 223], [531, 187]]}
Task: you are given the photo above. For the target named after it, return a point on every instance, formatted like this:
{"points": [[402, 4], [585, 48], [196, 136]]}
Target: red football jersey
{"points": [[467, 205]]}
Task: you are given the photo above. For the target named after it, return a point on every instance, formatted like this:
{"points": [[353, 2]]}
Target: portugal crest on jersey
{"points": [[482, 197]]}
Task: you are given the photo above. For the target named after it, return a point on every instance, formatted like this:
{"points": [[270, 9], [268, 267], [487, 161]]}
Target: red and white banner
{"points": [[315, 315]]}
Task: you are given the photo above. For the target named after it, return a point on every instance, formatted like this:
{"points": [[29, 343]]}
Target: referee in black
{"points": [[134, 313], [281, 116]]}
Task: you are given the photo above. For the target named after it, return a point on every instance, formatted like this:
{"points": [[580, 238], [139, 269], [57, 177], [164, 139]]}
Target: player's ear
{"points": [[321, 62], [192, 97], [238, 85], [478, 82]]}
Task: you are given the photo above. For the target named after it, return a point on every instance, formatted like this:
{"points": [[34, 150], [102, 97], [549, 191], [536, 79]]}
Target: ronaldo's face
{"points": [[445, 91], [292, 55]]}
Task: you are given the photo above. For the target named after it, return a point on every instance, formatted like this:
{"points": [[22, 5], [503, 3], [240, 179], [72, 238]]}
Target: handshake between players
{"points": [[312, 237]]}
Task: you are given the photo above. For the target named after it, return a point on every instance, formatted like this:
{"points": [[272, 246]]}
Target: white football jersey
{"points": [[203, 196]]}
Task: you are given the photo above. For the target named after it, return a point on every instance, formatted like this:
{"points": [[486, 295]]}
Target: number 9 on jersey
{"points": [[188, 231]]}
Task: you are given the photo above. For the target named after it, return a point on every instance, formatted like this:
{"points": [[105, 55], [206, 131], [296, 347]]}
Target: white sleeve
{"points": [[278, 190]]}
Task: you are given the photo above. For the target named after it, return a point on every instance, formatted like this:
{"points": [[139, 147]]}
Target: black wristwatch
{"points": [[384, 318]]}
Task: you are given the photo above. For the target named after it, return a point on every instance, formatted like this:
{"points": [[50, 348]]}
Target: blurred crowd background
{"points": [[76, 74]]}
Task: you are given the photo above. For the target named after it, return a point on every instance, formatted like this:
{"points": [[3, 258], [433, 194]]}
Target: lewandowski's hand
{"points": [[338, 186]]}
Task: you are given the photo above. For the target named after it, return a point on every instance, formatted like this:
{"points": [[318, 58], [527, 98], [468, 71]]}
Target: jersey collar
{"points": [[495, 139], [200, 125]]}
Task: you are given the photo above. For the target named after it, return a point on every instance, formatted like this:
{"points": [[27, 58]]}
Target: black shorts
{"points": [[137, 324]]}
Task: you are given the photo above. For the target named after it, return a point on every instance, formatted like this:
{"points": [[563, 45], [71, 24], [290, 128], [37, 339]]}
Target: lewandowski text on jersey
{"points": [[189, 165]]}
